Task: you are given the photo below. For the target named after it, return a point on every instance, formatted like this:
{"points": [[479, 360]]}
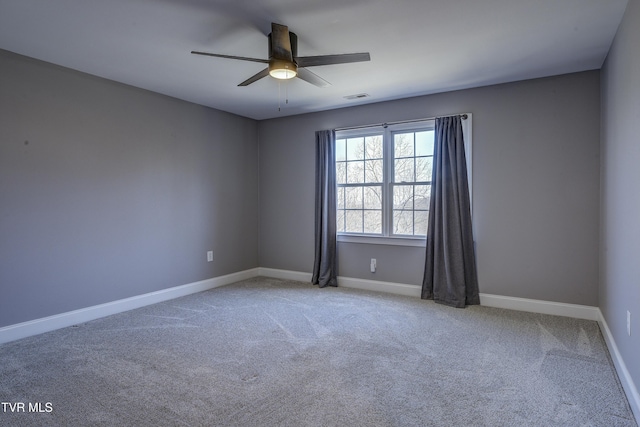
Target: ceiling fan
{"points": [[284, 62]]}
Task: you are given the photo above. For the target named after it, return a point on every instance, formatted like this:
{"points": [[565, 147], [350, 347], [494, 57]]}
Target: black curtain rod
{"points": [[462, 116]]}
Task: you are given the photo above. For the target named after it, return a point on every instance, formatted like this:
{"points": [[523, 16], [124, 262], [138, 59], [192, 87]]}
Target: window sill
{"points": [[380, 240]]}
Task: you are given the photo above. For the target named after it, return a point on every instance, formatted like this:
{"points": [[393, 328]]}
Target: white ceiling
{"points": [[417, 46]]}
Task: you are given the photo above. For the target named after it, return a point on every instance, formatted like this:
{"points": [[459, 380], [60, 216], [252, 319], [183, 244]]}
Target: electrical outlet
{"points": [[373, 265], [628, 323], [209, 256]]}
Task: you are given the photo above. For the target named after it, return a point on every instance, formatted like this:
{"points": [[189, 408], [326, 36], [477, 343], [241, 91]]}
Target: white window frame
{"points": [[387, 209]]}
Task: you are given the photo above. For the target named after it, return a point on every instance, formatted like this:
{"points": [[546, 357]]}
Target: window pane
{"points": [[373, 222], [373, 197], [403, 170], [422, 197], [353, 222], [340, 198], [424, 167], [373, 170], [340, 221], [421, 222], [403, 145], [403, 197], [341, 150], [403, 222], [355, 148], [353, 197], [373, 147], [355, 172], [341, 172], [424, 143]]}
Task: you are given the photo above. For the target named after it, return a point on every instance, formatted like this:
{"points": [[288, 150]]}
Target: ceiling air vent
{"points": [[358, 96]]}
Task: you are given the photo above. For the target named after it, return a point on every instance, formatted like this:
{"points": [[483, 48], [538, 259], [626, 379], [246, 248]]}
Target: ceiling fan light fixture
{"points": [[282, 70], [283, 74]]}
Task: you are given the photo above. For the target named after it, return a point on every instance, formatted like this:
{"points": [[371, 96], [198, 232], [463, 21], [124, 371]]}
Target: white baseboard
{"points": [[47, 324], [623, 373], [375, 285], [284, 274], [538, 306], [346, 282]]}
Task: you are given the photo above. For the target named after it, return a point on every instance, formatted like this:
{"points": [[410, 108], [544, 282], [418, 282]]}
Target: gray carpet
{"points": [[268, 352]]}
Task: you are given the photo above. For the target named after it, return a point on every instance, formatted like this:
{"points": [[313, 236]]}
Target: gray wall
{"points": [[620, 233], [107, 191], [535, 181]]}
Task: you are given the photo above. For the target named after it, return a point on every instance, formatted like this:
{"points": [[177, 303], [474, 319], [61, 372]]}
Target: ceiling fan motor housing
{"points": [[293, 38]]}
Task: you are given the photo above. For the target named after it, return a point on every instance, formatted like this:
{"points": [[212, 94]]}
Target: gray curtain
{"points": [[325, 263], [450, 269]]}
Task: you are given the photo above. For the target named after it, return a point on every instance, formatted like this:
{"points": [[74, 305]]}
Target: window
{"points": [[384, 182]]}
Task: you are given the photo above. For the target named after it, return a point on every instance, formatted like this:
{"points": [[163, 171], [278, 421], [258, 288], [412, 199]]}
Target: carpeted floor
{"points": [[267, 352]]}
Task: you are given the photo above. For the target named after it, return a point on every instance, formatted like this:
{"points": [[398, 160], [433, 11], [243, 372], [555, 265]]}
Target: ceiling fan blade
{"points": [[312, 78], [241, 58], [255, 77], [312, 61], [280, 42]]}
